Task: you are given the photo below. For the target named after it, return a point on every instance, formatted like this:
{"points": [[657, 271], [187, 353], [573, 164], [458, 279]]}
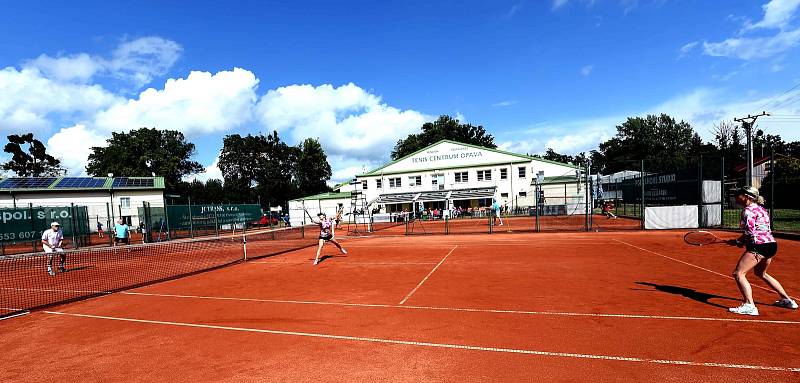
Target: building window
{"points": [[484, 175], [504, 195], [521, 170], [462, 177], [394, 182], [437, 181], [378, 184], [415, 181], [523, 194], [503, 174], [364, 185], [125, 202]]}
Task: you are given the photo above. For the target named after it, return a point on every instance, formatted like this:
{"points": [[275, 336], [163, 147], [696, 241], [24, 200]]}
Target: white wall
{"points": [[98, 203], [327, 206], [512, 185]]}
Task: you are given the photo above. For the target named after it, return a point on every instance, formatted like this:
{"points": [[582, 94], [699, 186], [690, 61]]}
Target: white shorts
{"points": [[50, 250]]}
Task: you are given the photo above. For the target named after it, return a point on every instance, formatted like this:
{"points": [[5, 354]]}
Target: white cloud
{"points": [[514, 9], [559, 3], [72, 146], [199, 103], [80, 67], [144, 58], [29, 101], [748, 48], [586, 70], [212, 171], [504, 103], [347, 119], [777, 15], [137, 61], [687, 48]]}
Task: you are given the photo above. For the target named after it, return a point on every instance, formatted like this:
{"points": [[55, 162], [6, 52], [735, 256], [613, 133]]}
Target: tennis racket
{"points": [[309, 215], [704, 238]]}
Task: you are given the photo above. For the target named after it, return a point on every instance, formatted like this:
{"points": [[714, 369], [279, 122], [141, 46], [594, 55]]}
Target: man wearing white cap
{"points": [[52, 239]]}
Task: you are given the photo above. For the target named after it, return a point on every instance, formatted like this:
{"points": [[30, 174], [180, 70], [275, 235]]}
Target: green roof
{"points": [[557, 180], [322, 196], [526, 158]]}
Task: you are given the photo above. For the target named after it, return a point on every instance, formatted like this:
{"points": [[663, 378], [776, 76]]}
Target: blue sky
{"points": [[361, 74]]}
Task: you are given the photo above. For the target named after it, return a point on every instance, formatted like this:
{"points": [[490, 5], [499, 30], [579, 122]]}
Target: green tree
{"points": [[444, 128], [145, 151], [785, 173], [313, 169], [261, 167], [661, 141], [33, 162]]}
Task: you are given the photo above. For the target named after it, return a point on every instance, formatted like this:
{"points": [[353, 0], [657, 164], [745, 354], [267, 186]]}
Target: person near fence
{"points": [[121, 233], [760, 248], [496, 208], [325, 235], [52, 242], [608, 209], [99, 229]]}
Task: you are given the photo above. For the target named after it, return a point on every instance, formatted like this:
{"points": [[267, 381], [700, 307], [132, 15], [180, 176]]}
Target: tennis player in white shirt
{"points": [[52, 241]]}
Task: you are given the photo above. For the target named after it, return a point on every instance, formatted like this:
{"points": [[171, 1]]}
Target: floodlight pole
{"points": [[748, 123]]}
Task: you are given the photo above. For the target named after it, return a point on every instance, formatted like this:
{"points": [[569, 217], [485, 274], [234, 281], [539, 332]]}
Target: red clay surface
{"points": [[620, 306]]}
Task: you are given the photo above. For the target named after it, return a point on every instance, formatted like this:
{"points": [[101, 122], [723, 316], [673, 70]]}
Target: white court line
{"points": [[351, 264], [427, 276], [456, 309], [19, 314], [56, 291], [688, 264], [441, 345]]}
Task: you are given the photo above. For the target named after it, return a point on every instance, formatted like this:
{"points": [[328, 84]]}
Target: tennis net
{"points": [[387, 221], [26, 285]]}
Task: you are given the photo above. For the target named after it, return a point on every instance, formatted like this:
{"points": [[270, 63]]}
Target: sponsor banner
{"points": [[27, 224], [209, 215]]}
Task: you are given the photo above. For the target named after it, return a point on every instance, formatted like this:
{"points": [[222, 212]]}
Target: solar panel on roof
{"points": [[27, 183], [132, 182], [80, 182]]}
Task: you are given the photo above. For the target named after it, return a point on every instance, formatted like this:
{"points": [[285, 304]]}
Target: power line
{"points": [[763, 107]]}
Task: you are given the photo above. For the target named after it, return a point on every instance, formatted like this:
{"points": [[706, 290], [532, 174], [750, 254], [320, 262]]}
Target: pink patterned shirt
{"points": [[755, 222], [325, 228]]}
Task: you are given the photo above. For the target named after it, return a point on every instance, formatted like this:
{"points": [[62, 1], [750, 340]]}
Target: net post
{"points": [[642, 179], [447, 225]]}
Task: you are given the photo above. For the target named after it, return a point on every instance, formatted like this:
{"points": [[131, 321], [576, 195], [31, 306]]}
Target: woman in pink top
{"points": [[325, 235], [760, 248]]}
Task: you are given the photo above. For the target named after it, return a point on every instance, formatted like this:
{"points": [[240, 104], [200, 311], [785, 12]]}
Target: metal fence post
{"points": [[191, 218], [722, 194], [772, 188], [641, 177], [33, 225]]}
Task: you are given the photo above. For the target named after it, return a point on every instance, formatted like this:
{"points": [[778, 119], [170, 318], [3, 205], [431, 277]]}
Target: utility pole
{"points": [[747, 124]]}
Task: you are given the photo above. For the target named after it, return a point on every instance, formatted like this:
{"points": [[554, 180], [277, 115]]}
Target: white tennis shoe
{"points": [[745, 309], [786, 303]]}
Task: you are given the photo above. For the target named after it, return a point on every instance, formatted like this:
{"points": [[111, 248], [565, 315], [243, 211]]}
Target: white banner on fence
{"points": [[671, 217]]}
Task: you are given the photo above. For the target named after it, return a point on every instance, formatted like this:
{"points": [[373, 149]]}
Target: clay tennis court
{"points": [[616, 306]]}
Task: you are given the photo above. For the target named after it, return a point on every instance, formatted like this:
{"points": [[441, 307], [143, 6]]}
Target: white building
{"points": [[106, 198], [444, 175]]}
